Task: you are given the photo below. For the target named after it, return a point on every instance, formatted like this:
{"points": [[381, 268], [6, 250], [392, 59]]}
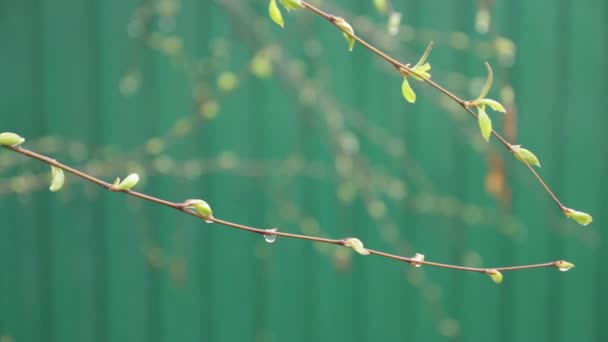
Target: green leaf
{"points": [[275, 13], [424, 56], [10, 139], [129, 182], [407, 91], [57, 179], [420, 71], [291, 4], [357, 245], [485, 124], [347, 30], [495, 105], [578, 216], [523, 154], [495, 275], [488, 85]]}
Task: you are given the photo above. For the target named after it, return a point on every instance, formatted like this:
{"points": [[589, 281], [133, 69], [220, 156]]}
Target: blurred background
{"points": [[286, 128]]}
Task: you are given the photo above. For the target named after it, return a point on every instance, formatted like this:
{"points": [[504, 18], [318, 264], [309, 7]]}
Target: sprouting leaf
{"points": [[425, 55], [524, 154], [357, 245], [275, 13], [347, 31], [380, 5], [495, 275], [421, 68], [488, 85], [10, 139], [485, 124], [200, 206], [408, 93], [564, 265], [291, 4], [495, 105], [129, 182], [57, 179], [578, 216], [420, 71]]}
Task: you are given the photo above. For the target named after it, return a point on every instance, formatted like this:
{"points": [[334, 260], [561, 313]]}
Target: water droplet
{"points": [[564, 269], [207, 221], [269, 236]]}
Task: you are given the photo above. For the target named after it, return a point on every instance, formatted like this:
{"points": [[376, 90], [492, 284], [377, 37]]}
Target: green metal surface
{"points": [[87, 83]]}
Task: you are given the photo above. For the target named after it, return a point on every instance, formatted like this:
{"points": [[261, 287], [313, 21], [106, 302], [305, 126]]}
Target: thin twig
{"points": [[398, 65], [262, 231]]}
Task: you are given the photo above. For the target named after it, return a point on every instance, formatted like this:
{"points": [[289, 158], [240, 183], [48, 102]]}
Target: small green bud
{"points": [[201, 207], [495, 275], [408, 93], [416, 260], [127, 183], [357, 245], [578, 216], [380, 5], [485, 124], [563, 265], [291, 4], [57, 179], [10, 139], [275, 13], [347, 31], [523, 154]]}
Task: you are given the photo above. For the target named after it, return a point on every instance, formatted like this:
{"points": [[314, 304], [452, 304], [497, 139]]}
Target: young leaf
{"points": [[421, 68], [275, 13], [495, 275], [10, 139], [523, 154], [347, 31], [57, 179], [291, 4], [578, 216], [425, 55], [485, 124], [488, 85], [128, 182], [357, 245], [495, 105], [407, 91]]}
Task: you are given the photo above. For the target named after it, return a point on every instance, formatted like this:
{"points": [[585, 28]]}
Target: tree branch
{"points": [[347, 242]]}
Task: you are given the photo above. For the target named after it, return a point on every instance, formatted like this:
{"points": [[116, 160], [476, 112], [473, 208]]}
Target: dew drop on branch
{"points": [[269, 236]]}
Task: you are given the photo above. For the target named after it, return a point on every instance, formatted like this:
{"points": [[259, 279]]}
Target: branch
{"points": [[269, 234], [406, 69]]}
